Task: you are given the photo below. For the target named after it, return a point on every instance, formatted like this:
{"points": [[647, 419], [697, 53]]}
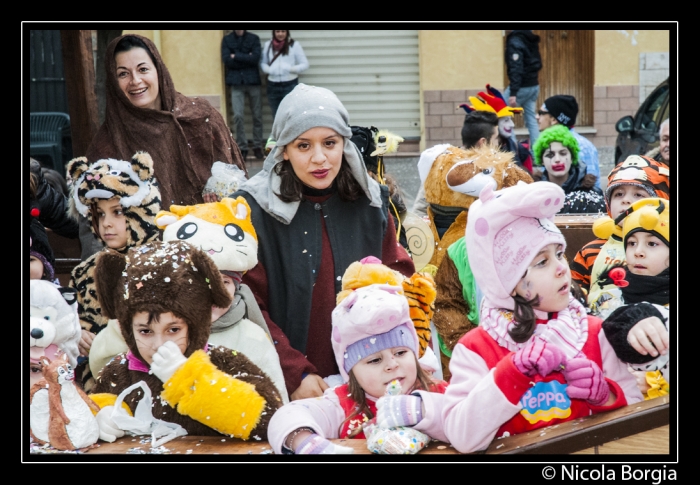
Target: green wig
{"points": [[554, 133]]}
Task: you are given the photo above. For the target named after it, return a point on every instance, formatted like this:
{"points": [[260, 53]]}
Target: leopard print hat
{"points": [[132, 181]]}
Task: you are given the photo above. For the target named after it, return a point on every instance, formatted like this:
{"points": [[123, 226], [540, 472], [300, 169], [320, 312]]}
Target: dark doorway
{"points": [[47, 87]]}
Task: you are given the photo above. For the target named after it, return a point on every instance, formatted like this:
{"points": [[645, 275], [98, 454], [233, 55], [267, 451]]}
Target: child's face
{"points": [[151, 335], [112, 222], [316, 156], [623, 197], [375, 371], [36, 268], [646, 254], [216, 311], [549, 277]]}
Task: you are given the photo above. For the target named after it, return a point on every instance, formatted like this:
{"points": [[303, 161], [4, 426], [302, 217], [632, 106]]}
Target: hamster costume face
{"points": [[223, 230]]}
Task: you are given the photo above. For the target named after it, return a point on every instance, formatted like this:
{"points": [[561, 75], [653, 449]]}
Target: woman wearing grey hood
{"points": [[315, 211]]}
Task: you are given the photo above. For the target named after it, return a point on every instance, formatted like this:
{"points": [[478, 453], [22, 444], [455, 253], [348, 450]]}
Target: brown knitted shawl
{"points": [[184, 138]]}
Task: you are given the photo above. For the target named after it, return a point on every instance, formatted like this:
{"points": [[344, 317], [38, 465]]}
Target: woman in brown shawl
{"points": [[183, 135]]}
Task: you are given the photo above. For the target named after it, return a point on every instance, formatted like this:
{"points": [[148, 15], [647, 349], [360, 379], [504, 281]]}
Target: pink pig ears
{"points": [[371, 260], [486, 193]]}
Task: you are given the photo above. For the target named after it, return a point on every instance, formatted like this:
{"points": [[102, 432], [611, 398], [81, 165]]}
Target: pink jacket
{"points": [[505, 402]]}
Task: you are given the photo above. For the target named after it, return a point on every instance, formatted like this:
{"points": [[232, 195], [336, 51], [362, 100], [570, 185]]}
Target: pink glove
{"points": [[586, 381], [538, 357]]}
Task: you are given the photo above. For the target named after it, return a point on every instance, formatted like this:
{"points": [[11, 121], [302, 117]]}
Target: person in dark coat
{"points": [[49, 205], [240, 52], [523, 64]]}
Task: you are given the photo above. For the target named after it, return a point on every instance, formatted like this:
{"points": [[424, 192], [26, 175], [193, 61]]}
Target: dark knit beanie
{"points": [[563, 108]]}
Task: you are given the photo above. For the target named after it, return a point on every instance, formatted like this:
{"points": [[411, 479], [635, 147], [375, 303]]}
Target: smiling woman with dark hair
{"points": [[557, 150], [183, 135]]}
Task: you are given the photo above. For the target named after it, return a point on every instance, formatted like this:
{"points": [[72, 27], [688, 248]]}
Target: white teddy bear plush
{"points": [[54, 326]]}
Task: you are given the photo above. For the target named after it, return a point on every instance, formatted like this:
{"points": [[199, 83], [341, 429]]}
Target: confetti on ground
{"points": [[47, 449]]}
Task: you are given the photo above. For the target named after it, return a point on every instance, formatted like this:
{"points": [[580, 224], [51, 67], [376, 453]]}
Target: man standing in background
{"points": [[523, 64], [662, 153], [240, 52]]}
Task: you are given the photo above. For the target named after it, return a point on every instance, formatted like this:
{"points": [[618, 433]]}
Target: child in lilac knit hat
{"points": [[375, 343]]}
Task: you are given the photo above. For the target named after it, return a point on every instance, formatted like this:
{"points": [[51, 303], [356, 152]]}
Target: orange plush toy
{"points": [[419, 290], [60, 413]]}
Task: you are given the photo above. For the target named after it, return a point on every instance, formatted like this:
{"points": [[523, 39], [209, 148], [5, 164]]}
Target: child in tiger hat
{"points": [[638, 177], [121, 198]]}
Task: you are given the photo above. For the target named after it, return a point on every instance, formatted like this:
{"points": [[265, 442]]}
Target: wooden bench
{"points": [[577, 230], [642, 428]]}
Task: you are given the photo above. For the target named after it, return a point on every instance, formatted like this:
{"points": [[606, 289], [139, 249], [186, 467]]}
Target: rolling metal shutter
{"points": [[373, 72]]}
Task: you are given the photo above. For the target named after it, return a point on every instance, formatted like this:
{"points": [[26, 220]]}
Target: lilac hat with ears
{"points": [[505, 230], [369, 320]]}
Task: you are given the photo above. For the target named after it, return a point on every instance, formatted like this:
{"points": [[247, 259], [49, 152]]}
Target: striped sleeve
{"points": [[582, 264]]}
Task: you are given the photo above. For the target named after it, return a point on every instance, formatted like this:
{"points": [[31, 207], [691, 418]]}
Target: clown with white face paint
{"points": [[492, 100], [558, 151], [506, 126]]}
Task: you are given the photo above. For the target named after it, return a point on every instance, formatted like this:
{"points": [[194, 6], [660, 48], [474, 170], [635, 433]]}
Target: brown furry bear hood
{"points": [[161, 277]]}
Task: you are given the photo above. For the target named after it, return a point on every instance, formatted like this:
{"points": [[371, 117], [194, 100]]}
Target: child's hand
{"points": [[586, 381], [210, 197], [167, 360], [317, 445], [109, 431], [538, 357], [395, 411], [312, 385], [641, 377], [649, 337], [86, 338]]}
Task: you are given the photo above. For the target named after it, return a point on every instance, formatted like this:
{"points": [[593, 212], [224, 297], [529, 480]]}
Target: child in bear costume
{"points": [[224, 231], [162, 294]]}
